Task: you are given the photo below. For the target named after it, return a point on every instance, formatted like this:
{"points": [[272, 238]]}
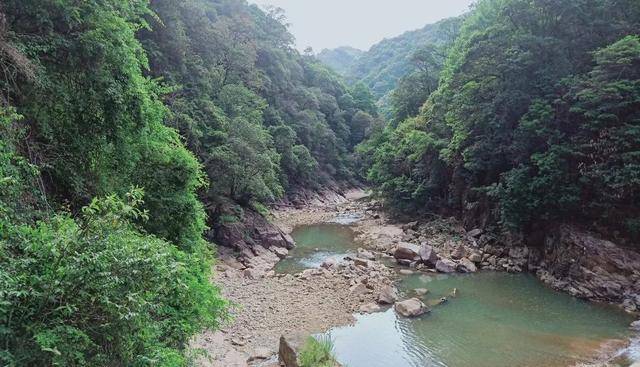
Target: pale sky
{"points": [[360, 23]]}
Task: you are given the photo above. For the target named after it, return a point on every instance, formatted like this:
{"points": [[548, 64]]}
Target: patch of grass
{"points": [[317, 353]]}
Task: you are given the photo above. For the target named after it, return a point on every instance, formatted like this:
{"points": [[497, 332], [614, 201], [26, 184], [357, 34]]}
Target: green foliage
{"points": [[95, 121], [317, 353], [95, 291], [261, 118], [534, 119]]}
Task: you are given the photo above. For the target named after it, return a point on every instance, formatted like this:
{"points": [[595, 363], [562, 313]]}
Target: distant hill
{"points": [[386, 62], [340, 59]]}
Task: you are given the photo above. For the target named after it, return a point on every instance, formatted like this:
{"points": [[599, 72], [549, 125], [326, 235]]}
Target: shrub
{"points": [[95, 291]]}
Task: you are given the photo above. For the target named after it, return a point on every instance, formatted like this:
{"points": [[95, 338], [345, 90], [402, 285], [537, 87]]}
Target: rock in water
{"points": [[428, 255], [446, 266], [411, 308], [421, 291], [388, 295], [467, 266], [407, 251]]}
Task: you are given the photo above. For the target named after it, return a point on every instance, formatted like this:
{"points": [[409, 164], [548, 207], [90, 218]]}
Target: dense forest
{"points": [[124, 125], [533, 121]]}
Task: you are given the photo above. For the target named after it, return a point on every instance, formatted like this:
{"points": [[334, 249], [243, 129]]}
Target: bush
{"points": [[95, 291]]}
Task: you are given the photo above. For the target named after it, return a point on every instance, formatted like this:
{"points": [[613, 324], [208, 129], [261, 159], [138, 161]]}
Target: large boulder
{"points": [[428, 255], [388, 295], [411, 308], [407, 251], [446, 266]]}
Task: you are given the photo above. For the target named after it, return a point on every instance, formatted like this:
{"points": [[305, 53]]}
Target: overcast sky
{"points": [[360, 23]]}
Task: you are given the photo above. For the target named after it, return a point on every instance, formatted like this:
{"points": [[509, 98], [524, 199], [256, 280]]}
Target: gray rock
{"points": [[407, 251], [358, 289], [475, 257], [635, 325], [260, 353], [361, 262], [364, 254], [388, 295], [281, 252], [446, 266], [428, 255], [288, 349], [369, 308], [412, 307], [421, 291], [467, 266], [475, 232], [459, 252], [253, 273], [329, 263], [406, 272]]}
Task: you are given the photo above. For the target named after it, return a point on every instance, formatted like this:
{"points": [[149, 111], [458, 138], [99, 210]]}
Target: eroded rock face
{"points": [[248, 230], [407, 251], [412, 307], [590, 267]]}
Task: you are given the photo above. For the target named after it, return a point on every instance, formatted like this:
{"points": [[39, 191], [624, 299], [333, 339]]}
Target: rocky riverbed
{"points": [[266, 305]]}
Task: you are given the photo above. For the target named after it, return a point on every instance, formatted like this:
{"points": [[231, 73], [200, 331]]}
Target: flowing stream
{"points": [[496, 319]]}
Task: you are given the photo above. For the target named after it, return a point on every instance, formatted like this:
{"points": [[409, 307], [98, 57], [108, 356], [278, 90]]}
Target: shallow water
{"points": [[316, 243], [496, 319]]}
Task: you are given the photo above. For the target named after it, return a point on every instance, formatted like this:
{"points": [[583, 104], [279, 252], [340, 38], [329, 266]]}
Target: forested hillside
{"points": [[340, 59], [124, 125], [535, 121], [388, 61]]}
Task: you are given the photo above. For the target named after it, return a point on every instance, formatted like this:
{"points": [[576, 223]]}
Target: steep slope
{"points": [[534, 122]]}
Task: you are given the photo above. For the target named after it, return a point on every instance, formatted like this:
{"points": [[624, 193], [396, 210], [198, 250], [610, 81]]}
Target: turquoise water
{"points": [[495, 319]]}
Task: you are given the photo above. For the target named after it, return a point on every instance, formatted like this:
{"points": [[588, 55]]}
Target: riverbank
{"points": [[267, 305]]}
